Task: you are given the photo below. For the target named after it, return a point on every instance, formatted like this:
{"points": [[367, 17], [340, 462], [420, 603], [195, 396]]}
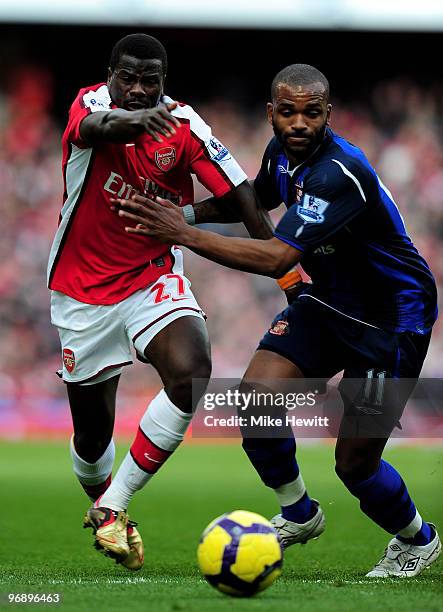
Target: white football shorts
{"points": [[96, 340]]}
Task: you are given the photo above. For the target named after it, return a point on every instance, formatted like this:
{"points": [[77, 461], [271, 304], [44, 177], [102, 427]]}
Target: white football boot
{"points": [[299, 533], [406, 560]]}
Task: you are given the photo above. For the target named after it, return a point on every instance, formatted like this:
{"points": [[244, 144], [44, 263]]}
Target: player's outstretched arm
{"points": [[119, 125], [164, 221], [239, 205]]}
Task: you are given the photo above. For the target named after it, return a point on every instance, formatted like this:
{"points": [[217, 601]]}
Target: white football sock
{"points": [[161, 430], [413, 528], [291, 492], [92, 474]]}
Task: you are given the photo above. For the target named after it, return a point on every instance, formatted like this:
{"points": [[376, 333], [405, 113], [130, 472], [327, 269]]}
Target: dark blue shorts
{"points": [[322, 343]]}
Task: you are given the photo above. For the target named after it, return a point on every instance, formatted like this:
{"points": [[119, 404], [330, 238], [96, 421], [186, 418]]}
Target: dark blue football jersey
{"points": [[352, 236]]}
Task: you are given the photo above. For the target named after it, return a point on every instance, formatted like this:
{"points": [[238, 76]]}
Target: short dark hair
{"points": [[140, 46], [299, 74]]}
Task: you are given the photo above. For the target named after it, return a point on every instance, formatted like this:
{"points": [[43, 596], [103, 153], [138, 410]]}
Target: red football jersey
{"points": [[92, 258]]}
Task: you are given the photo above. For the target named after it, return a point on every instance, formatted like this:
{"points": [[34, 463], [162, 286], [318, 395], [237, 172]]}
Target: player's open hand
{"points": [[159, 218], [159, 120]]}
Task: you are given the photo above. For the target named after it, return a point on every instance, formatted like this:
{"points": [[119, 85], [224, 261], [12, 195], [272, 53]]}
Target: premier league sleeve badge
{"points": [[312, 209]]}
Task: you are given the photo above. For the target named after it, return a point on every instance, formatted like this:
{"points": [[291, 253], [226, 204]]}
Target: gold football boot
{"points": [[134, 560], [110, 530]]}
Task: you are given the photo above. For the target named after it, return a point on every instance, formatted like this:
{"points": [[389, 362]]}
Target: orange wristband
{"points": [[290, 279]]}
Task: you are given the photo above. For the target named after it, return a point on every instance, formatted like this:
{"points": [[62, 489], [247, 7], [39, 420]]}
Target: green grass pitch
{"points": [[44, 549]]}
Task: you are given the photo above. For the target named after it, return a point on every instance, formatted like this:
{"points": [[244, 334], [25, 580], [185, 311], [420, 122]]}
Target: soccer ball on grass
{"points": [[240, 554]]}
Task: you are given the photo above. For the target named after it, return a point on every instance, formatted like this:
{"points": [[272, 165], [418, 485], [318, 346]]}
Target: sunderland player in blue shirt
{"points": [[369, 310]]}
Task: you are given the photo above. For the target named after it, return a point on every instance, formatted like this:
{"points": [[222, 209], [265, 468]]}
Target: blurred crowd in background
{"points": [[399, 127]]}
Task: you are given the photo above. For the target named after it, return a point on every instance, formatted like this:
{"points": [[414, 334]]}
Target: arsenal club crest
{"points": [[69, 359], [280, 328], [165, 158]]}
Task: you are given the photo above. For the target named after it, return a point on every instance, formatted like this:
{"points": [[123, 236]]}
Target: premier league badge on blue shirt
{"points": [[311, 209]]}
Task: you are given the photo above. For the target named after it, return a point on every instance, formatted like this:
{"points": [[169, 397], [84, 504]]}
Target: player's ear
{"points": [[109, 75], [328, 114], [269, 111]]}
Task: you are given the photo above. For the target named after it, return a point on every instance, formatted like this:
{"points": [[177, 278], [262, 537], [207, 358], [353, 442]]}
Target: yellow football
{"points": [[240, 553]]}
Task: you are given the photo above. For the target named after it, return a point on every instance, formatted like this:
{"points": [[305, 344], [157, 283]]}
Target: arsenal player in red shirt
{"points": [[111, 289]]}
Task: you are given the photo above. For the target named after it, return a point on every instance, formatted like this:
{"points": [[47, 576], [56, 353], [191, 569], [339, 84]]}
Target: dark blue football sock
{"points": [[301, 511], [273, 458], [421, 538], [384, 498]]}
